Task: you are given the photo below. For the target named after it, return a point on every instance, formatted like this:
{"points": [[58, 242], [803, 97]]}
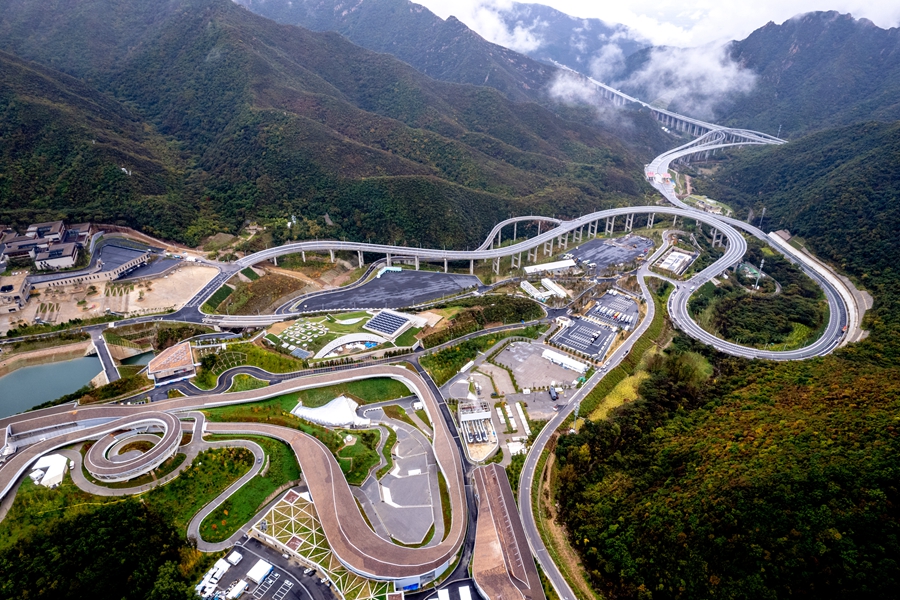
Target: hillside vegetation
{"points": [[836, 190], [817, 70], [763, 480], [64, 141], [442, 49], [269, 121]]}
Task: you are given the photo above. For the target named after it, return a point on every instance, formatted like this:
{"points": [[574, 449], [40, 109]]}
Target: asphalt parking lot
{"points": [[612, 252], [393, 290], [287, 579], [618, 303]]}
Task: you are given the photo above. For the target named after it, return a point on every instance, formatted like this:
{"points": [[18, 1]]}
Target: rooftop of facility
{"points": [[57, 251], [178, 356], [502, 564], [550, 266], [12, 282]]}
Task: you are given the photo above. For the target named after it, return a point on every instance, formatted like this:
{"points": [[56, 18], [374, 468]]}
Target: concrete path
{"points": [[193, 530], [106, 359]]}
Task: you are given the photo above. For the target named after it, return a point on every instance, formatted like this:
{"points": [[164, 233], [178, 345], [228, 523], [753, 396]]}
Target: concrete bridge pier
{"points": [[650, 218], [532, 257], [303, 254], [275, 260], [471, 266], [388, 258], [563, 241], [515, 261], [497, 266], [718, 238], [629, 222], [610, 225], [515, 237], [674, 221], [592, 229], [548, 247], [331, 252], [360, 257], [578, 235], [445, 265], [417, 263]]}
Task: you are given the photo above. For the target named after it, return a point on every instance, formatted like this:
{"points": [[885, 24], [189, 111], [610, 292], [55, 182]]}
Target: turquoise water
{"points": [[140, 359], [24, 388]]}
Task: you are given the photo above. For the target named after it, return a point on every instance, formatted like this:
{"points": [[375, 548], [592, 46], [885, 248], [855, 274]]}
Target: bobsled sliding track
{"points": [[28, 436]]}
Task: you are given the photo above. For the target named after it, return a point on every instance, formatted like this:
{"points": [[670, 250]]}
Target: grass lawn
{"points": [[399, 413], [217, 298], [408, 338], [247, 501], [446, 509], [245, 383], [424, 416], [364, 391], [249, 274], [207, 477], [272, 362], [386, 452], [358, 459]]}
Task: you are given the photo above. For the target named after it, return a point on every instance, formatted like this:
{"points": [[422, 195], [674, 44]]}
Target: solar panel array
{"points": [[386, 323]]}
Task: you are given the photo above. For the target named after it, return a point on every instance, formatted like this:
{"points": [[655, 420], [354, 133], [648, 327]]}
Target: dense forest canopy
{"points": [[117, 551], [763, 480]]}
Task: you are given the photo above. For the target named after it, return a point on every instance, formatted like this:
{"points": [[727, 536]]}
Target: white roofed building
{"points": [[559, 266], [53, 467], [553, 288], [565, 361]]}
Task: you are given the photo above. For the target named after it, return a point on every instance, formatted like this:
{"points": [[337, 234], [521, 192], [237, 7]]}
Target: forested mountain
{"points": [[571, 41], [837, 189], [815, 71], [762, 480], [449, 50], [270, 120], [818, 70], [445, 50], [63, 140]]}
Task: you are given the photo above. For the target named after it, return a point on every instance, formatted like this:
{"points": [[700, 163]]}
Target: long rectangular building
{"points": [[565, 361], [550, 267]]}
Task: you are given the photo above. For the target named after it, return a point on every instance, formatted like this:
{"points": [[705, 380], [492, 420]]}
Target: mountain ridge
{"points": [[275, 120]]}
